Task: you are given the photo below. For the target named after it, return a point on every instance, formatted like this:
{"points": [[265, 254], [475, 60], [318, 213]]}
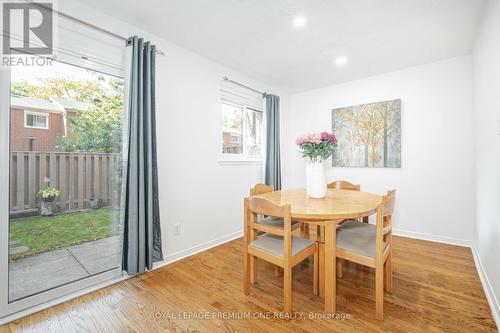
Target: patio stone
{"points": [[43, 272], [19, 249], [99, 256], [51, 269]]}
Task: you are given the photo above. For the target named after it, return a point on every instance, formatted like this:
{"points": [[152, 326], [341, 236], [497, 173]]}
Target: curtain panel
{"points": [[272, 167], [142, 233]]}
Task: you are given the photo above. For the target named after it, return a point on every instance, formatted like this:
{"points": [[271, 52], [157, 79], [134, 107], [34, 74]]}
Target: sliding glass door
{"points": [[65, 161], [62, 126], [64, 181]]}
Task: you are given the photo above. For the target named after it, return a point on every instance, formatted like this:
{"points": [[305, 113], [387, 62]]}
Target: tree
{"points": [[388, 125], [77, 90], [367, 123], [98, 129]]}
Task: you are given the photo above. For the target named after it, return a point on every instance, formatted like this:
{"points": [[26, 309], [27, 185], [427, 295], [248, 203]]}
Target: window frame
{"points": [[11, 310], [36, 114], [237, 137], [243, 158]]}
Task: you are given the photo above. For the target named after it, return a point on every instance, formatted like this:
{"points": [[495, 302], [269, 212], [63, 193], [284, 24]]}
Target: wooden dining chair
{"points": [[338, 184], [270, 221], [276, 246], [371, 245], [344, 185], [341, 185]]}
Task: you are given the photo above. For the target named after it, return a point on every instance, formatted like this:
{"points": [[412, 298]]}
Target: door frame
{"points": [[12, 310]]}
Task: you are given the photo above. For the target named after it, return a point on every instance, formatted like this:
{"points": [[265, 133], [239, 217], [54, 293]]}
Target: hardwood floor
{"points": [[436, 289]]}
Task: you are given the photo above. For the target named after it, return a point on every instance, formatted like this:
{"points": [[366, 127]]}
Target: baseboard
{"points": [[197, 249], [432, 238], [168, 260], [488, 289], [493, 302]]}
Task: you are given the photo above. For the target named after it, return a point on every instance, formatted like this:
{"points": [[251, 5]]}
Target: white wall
{"points": [[204, 197], [486, 69], [435, 185]]}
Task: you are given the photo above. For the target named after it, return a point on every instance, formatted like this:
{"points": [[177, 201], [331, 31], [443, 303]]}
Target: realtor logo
{"points": [[27, 28]]}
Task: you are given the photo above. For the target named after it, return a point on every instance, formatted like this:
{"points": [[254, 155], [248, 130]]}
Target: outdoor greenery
{"points": [[100, 128], [97, 130], [78, 90], [43, 233], [48, 192]]}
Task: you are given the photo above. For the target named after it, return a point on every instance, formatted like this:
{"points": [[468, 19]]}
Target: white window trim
{"points": [[231, 159], [237, 137], [26, 113]]}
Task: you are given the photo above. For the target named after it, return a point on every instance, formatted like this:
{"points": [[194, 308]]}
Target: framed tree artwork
{"points": [[369, 135]]}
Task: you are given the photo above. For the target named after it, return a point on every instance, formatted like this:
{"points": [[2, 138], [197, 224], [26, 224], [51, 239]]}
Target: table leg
{"points": [[321, 271], [319, 237], [305, 231], [330, 274]]}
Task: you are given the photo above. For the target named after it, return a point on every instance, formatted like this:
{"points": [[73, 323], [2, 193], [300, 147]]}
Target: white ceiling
{"points": [[258, 38]]}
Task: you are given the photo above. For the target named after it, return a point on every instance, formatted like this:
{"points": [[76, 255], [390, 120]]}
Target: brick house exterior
{"points": [[231, 141], [55, 111], [34, 139]]}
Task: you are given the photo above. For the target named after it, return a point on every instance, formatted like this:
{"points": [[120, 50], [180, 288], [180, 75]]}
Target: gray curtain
{"points": [[272, 168], [142, 236]]}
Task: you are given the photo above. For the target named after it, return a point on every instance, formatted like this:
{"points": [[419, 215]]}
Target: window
{"points": [[231, 129], [36, 120], [235, 138], [241, 131], [253, 132], [31, 143]]}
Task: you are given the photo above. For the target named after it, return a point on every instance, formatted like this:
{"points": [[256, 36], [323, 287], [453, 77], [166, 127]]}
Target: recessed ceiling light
{"points": [[299, 21], [340, 60]]}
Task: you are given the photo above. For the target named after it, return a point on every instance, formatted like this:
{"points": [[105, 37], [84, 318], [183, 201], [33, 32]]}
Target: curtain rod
{"points": [[225, 78], [89, 25]]}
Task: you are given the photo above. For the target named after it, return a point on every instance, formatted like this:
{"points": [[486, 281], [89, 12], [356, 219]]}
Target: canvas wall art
{"points": [[369, 135]]}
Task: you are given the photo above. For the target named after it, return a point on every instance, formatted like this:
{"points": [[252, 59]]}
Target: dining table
{"points": [[338, 205]]}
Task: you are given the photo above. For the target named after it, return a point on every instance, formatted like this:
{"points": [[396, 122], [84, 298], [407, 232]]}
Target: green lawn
{"points": [[45, 233]]}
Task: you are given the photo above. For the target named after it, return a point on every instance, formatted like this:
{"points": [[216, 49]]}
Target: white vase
{"points": [[316, 180]]}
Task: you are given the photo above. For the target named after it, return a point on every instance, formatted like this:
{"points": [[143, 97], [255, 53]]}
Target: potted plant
{"points": [[47, 195], [316, 148]]}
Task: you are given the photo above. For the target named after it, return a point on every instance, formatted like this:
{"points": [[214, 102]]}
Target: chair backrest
{"points": [[261, 206], [388, 202], [384, 220], [260, 189], [344, 185], [266, 207]]}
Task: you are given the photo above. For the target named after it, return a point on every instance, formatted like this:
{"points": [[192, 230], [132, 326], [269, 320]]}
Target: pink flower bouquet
{"points": [[317, 146]]}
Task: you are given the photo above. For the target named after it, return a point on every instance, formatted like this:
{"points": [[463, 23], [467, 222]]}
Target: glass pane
{"points": [[253, 139], [231, 129], [29, 120], [41, 121], [65, 182]]}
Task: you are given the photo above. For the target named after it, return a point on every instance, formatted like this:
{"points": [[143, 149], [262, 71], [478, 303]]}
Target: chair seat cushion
{"points": [[358, 237], [273, 221], [354, 225], [275, 244]]}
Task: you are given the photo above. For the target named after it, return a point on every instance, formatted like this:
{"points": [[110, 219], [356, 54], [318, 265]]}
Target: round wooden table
{"points": [[337, 206]]}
